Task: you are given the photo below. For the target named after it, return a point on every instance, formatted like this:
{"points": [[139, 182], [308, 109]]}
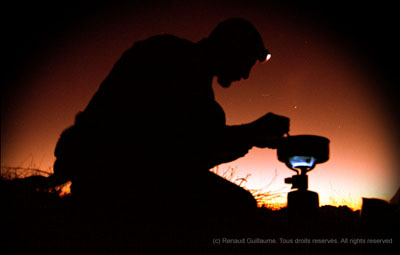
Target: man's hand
{"points": [[270, 142], [268, 130]]}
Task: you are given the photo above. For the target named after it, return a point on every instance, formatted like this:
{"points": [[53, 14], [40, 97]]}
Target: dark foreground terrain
{"points": [[40, 222]]}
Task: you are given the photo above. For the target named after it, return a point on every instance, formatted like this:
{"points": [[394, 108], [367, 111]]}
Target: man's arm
{"points": [[235, 141]]}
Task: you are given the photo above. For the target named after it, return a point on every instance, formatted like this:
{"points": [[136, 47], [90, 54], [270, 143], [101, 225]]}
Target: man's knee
{"points": [[229, 193]]}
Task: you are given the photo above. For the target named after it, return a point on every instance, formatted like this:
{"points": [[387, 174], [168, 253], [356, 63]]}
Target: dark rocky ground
{"points": [[38, 222]]}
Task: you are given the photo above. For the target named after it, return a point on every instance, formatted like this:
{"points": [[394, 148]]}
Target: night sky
{"points": [[332, 72]]}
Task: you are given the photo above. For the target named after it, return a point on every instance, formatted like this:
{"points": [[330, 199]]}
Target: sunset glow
{"points": [[315, 79], [65, 189]]}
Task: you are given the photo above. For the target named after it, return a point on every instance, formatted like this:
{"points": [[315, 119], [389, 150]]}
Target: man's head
{"points": [[236, 46]]}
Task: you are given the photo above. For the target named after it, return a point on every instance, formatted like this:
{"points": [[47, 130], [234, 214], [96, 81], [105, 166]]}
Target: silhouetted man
{"points": [[153, 129]]}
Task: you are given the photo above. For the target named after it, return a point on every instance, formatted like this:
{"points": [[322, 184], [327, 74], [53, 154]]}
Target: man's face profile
{"points": [[224, 82], [234, 70]]}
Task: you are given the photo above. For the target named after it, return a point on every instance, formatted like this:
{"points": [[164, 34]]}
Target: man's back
{"points": [[154, 116], [157, 95]]}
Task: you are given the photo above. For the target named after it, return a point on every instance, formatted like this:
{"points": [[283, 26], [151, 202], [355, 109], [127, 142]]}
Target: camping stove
{"points": [[301, 154]]}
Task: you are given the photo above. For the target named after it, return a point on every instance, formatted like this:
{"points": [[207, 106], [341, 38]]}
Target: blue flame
{"points": [[302, 161]]}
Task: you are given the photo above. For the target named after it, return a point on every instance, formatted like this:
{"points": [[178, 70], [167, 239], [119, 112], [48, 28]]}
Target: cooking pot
{"points": [[303, 151]]}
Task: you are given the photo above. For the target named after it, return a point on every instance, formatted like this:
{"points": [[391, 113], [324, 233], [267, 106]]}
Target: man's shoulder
{"points": [[165, 41], [167, 38]]}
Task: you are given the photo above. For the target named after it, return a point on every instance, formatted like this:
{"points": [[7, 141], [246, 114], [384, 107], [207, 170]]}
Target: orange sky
{"points": [[316, 77]]}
